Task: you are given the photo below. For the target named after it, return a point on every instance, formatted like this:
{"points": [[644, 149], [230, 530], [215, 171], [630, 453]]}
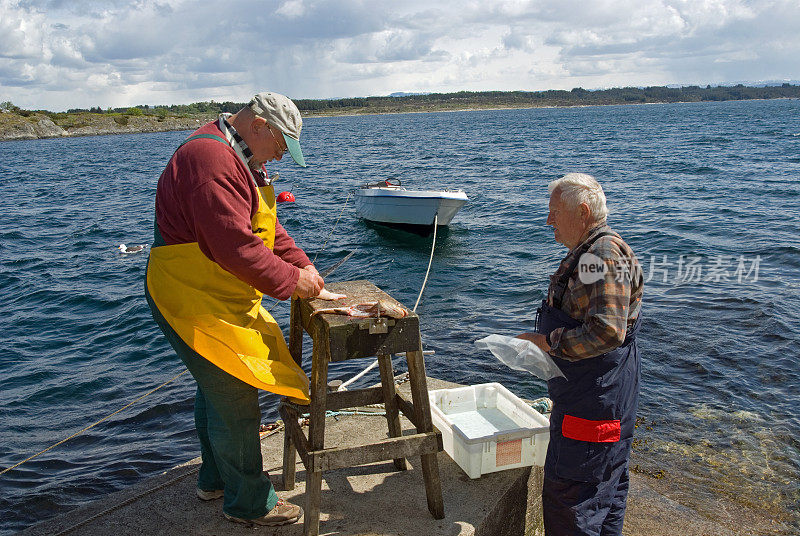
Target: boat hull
{"points": [[408, 207]]}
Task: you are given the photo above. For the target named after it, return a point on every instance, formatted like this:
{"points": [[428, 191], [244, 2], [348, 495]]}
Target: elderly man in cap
{"points": [[588, 322], [218, 248]]}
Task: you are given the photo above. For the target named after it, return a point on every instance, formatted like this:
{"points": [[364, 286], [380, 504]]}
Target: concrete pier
{"points": [[374, 499]]}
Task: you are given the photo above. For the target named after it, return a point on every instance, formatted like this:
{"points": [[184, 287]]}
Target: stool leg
{"points": [[316, 434], [289, 451], [422, 410], [389, 400], [296, 332], [296, 350]]}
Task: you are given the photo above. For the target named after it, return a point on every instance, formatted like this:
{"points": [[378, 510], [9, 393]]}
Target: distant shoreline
{"points": [[497, 108], [40, 125]]}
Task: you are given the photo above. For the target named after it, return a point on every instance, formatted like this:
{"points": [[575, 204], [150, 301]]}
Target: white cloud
{"points": [[59, 54], [291, 9], [21, 36]]}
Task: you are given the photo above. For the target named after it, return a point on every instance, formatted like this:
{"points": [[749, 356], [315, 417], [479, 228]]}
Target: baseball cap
{"points": [[282, 113]]}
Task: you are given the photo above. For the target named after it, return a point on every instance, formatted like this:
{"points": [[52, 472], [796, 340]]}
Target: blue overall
{"points": [[591, 431]]}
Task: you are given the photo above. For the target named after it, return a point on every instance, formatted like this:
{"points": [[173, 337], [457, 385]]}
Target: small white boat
{"points": [[392, 204]]}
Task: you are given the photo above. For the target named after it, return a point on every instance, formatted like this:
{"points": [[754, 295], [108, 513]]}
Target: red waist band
{"points": [[593, 431]]}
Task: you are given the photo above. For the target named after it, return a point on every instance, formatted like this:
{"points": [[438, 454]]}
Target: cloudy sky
{"points": [[59, 54]]}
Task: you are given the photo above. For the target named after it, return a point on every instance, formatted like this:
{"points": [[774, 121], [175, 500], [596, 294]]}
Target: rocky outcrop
{"points": [[22, 130], [134, 124], [16, 127], [45, 128]]}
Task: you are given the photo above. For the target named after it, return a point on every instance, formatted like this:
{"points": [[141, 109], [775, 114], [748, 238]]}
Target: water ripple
{"points": [[713, 181]]}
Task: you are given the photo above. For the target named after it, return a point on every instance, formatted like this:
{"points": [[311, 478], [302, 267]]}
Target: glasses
{"points": [[281, 148]]}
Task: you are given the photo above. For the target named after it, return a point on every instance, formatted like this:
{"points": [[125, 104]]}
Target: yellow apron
{"points": [[221, 317]]}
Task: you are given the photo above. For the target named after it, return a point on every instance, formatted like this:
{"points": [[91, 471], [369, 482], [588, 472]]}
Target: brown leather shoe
{"points": [[209, 495], [284, 513]]}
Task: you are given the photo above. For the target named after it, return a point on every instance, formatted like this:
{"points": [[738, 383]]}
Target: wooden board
{"points": [[428, 443], [349, 337]]}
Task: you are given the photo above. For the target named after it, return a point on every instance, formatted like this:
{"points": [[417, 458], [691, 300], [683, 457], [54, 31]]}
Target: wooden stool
{"points": [[338, 338]]}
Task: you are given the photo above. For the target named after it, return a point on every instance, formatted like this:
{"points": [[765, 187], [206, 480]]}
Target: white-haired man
{"points": [[218, 248], [588, 323]]}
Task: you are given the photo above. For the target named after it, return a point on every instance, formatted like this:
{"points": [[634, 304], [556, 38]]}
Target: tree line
{"points": [[574, 97], [461, 99]]}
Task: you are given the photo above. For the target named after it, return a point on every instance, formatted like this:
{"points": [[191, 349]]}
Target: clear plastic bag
{"points": [[520, 354]]}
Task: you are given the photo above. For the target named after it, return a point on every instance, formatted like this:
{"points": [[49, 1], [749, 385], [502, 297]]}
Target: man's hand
{"points": [[309, 284], [536, 338]]}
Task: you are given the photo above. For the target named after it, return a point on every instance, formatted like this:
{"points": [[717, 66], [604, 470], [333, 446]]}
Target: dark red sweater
{"points": [[206, 195]]}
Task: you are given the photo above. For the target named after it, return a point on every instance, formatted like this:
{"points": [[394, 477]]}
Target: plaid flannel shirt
{"points": [[607, 307]]}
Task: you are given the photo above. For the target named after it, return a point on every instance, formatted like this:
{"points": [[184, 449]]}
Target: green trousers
{"points": [[227, 417]]}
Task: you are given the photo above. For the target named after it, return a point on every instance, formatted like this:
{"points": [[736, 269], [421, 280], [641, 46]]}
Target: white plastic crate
{"points": [[486, 428]]}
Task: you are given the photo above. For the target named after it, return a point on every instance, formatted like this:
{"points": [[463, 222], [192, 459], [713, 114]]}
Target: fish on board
{"points": [[326, 294], [371, 309]]}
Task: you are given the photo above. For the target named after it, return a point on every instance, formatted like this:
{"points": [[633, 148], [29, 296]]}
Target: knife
{"points": [[330, 270]]}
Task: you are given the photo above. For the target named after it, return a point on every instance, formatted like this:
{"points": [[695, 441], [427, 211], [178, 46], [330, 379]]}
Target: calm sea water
{"points": [[713, 186]]}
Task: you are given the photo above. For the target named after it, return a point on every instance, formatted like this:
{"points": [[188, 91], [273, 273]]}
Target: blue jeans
{"points": [[227, 417]]}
